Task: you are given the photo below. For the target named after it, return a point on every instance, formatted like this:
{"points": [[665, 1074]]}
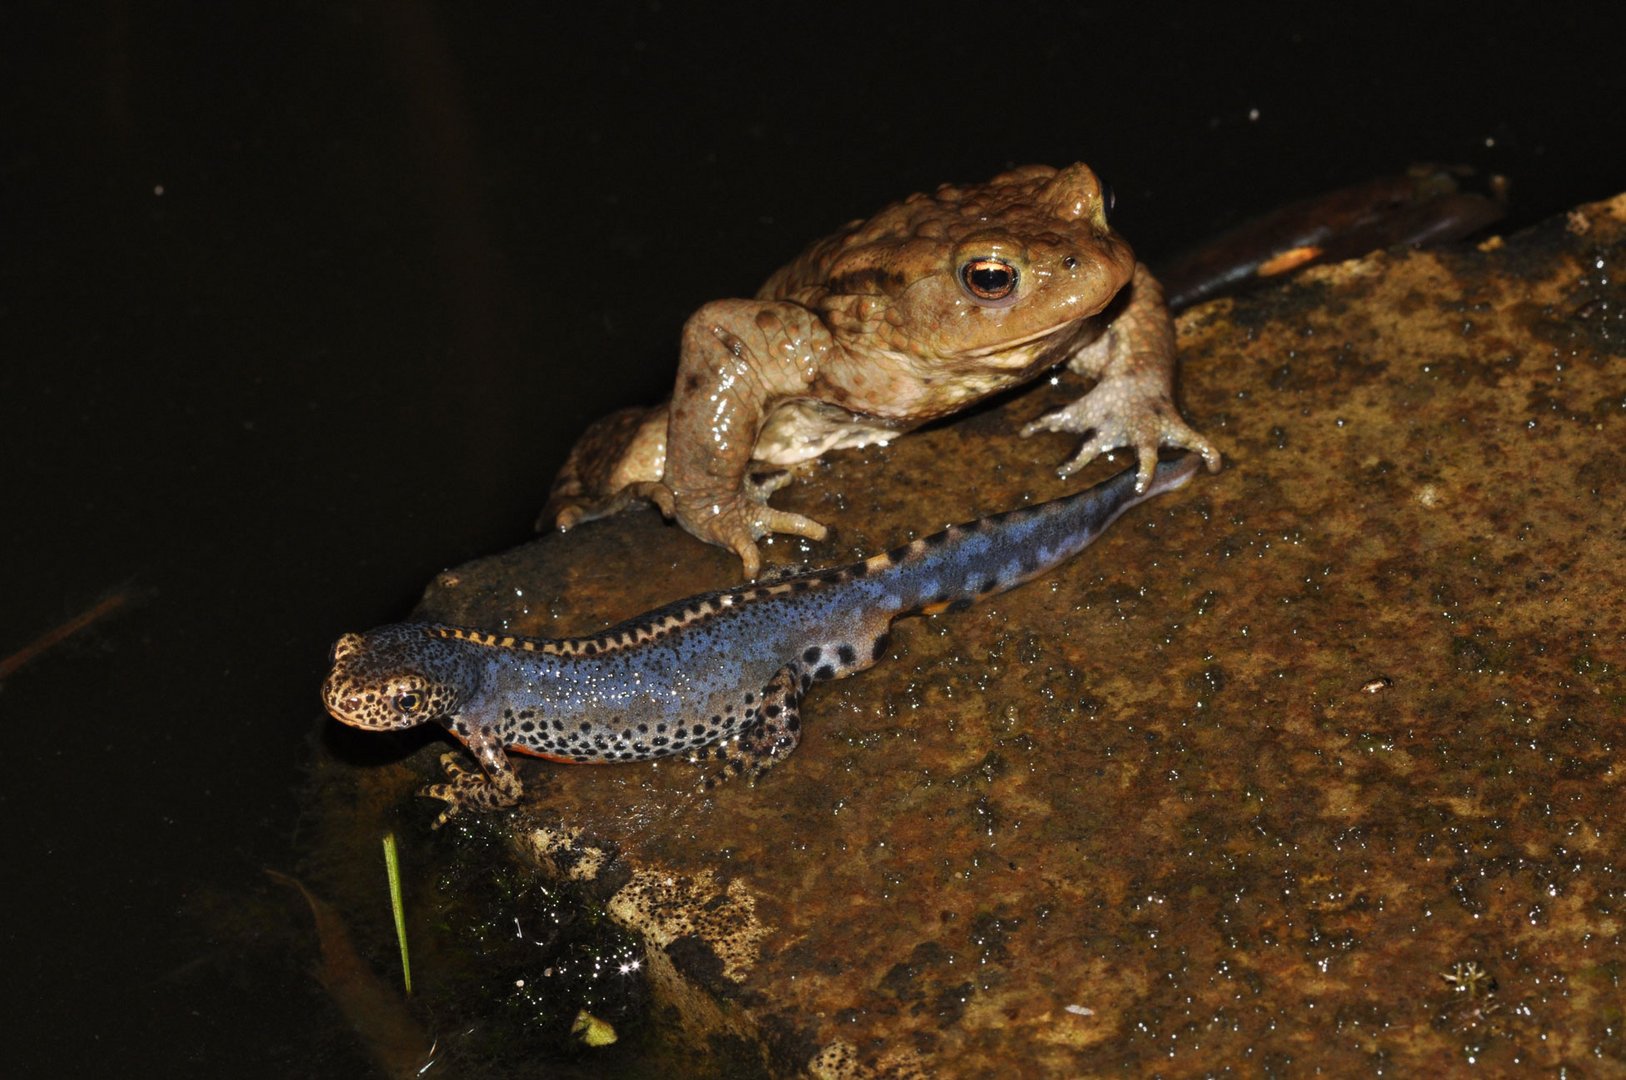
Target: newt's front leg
{"points": [[495, 787], [740, 359], [1132, 402]]}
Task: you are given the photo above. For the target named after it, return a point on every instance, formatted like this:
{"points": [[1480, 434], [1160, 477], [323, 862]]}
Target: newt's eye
{"points": [[408, 702], [989, 279]]}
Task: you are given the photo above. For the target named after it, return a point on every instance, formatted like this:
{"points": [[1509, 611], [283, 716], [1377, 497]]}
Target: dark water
{"points": [[301, 304]]}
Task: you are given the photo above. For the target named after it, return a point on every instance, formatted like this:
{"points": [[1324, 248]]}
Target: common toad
{"points": [[933, 304]]}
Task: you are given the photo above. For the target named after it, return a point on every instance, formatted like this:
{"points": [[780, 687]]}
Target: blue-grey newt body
{"points": [[718, 675]]}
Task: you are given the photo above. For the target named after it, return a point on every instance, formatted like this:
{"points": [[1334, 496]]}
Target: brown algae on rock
{"points": [[1233, 788]]}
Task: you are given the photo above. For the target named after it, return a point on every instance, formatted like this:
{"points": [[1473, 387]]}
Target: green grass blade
{"points": [[392, 864]]}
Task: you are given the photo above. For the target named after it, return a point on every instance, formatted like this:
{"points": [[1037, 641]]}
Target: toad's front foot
{"points": [[736, 521], [468, 790], [1123, 413]]}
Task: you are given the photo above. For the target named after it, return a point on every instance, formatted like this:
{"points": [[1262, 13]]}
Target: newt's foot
{"points": [[466, 789], [773, 729], [1124, 413]]}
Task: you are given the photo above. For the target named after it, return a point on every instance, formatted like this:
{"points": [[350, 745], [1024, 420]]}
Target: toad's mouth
{"points": [[1020, 344]]}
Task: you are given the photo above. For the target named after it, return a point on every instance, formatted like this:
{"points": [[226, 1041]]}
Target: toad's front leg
{"points": [[740, 359], [1132, 403]]}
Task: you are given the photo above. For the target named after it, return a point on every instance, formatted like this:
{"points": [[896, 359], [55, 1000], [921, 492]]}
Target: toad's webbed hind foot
{"points": [[758, 486], [566, 514], [612, 453]]}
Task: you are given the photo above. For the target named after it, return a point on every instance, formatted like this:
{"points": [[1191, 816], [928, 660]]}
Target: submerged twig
{"points": [[58, 634], [376, 1012]]}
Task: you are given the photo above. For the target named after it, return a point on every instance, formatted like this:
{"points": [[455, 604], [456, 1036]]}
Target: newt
{"points": [[715, 677]]}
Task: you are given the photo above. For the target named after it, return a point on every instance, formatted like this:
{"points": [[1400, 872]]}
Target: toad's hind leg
{"points": [[770, 734], [599, 477]]}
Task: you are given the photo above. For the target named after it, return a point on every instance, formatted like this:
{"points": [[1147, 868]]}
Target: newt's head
{"points": [[396, 677]]}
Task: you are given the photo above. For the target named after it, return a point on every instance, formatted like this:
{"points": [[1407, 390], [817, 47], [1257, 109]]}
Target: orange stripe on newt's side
{"points": [[528, 752]]}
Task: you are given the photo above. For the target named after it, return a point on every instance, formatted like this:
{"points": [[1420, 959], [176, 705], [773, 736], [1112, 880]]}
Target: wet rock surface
{"points": [[1313, 765]]}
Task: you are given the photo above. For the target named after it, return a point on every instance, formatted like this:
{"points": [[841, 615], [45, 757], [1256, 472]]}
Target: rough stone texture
{"points": [[1261, 783]]}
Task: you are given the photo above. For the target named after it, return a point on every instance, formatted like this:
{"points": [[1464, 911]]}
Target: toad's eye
{"points": [[989, 279], [408, 702]]}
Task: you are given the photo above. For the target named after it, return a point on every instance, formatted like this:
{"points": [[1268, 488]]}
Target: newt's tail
{"points": [[963, 563]]}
